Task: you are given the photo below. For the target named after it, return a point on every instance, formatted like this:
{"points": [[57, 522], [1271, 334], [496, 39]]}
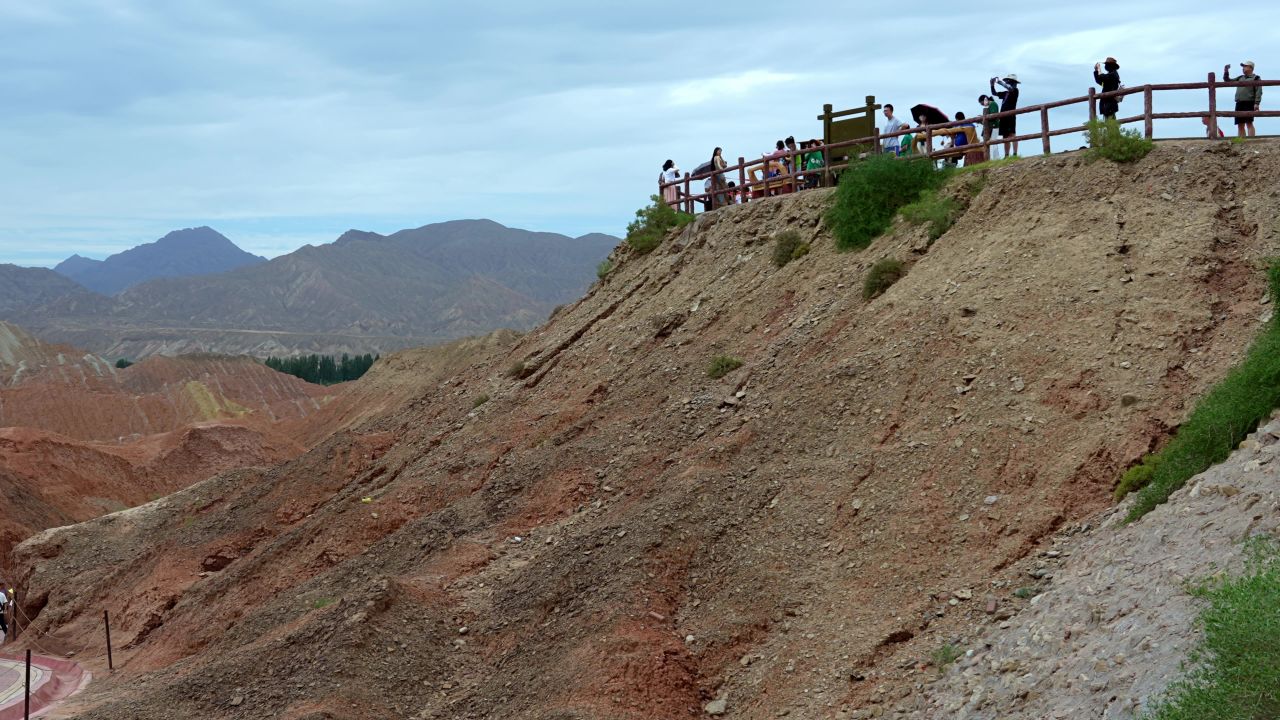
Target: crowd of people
{"points": [[964, 140]]}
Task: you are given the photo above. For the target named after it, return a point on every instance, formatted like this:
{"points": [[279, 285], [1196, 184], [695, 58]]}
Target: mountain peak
{"points": [[181, 253]]}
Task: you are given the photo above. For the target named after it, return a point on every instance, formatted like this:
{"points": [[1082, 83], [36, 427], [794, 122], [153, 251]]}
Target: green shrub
{"points": [[945, 655], [1222, 418], [871, 191], [881, 276], [123, 363], [1137, 477], [479, 401], [517, 370], [1236, 668], [937, 210], [722, 365], [788, 246], [1024, 593], [652, 223], [604, 268], [1108, 140]]}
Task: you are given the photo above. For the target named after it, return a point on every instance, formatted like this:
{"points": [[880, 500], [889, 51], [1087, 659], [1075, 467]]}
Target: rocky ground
{"points": [[582, 524], [1111, 622]]}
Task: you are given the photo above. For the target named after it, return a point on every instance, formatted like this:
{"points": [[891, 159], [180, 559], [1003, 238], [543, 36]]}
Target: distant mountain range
{"points": [[182, 253], [364, 292], [23, 287]]}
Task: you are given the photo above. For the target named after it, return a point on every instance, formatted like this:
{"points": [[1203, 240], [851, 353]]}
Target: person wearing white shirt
{"points": [[891, 125]]}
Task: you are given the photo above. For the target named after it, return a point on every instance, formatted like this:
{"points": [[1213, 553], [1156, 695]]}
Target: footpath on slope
{"points": [[52, 680], [1113, 620]]}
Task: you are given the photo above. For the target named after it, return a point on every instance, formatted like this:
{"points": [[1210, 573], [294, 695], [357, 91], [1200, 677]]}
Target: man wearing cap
{"points": [[1248, 97]]}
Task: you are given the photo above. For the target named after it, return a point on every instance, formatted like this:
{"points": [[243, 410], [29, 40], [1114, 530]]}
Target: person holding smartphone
{"points": [[1248, 97], [1110, 82]]}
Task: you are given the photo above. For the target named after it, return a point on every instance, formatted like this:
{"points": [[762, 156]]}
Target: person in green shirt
{"points": [[812, 162], [989, 107], [906, 143]]}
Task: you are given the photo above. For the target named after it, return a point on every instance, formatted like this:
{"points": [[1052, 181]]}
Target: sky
{"points": [[282, 123]]}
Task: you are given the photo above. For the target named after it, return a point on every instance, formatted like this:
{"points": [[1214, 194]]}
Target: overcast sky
{"points": [[283, 122]]}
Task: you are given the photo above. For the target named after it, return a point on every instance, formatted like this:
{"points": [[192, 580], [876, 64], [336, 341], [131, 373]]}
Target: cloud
{"points": [[280, 122]]}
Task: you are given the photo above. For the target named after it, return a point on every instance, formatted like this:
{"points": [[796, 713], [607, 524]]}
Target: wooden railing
{"points": [[837, 156]]}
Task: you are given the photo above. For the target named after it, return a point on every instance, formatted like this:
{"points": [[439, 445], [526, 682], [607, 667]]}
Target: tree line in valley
{"points": [[324, 369]]}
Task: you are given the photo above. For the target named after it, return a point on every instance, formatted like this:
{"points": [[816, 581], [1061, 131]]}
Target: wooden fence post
{"points": [[1044, 130], [26, 700], [106, 623], [742, 179], [1148, 130], [1093, 104], [688, 201], [1213, 107]]}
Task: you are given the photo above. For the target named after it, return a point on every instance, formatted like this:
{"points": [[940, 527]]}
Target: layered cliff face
{"points": [[583, 524]]}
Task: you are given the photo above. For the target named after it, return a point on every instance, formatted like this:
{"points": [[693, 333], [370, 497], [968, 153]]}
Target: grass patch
{"points": [[1138, 476], [1024, 593], [652, 223], [517, 370], [323, 603], [881, 277], [479, 401], [604, 268], [1108, 140], [722, 365], [945, 655], [934, 209], [872, 191], [788, 246], [1222, 418], [1236, 673]]}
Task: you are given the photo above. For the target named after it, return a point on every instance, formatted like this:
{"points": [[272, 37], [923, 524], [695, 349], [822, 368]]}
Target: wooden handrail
{"points": [[875, 141]]}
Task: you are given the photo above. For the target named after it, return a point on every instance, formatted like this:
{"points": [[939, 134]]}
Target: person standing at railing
{"points": [[1248, 97], [989, 107], [1110, 82], [813, 164], [670, 192], [1008, 102], [717, 181], [892, 125]]}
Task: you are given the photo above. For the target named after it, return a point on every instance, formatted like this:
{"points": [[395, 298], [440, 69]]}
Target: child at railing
{"points": [[671, 192]]}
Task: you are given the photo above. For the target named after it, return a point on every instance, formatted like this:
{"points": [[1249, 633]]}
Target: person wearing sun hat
{"points": [[1110, 82], [1248, 97], [1008, 101]]}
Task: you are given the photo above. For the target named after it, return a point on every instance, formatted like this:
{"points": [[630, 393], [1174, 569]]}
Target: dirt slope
{"points": [[614, 535]]}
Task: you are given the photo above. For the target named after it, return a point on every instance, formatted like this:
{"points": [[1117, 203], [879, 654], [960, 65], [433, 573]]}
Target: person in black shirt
{"points": [[1008, 101], [1110, 81]]}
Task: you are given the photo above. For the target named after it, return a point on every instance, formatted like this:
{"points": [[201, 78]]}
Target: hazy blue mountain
{"points": [[182, 253], [24, 287], [364, 292]]}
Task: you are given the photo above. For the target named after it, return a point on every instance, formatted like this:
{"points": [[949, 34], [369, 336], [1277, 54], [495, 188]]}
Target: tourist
{"points": [[905, 147], [4, 616], [717, 181], [962, 139], [892, 125], [813, 164], [1008, 102], [1248, 97], [1209, 131], [671, 192], [1110, 82], [989, 125]]}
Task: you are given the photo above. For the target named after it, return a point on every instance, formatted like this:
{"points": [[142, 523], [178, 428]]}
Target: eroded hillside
{"points": [[587, 526]]}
